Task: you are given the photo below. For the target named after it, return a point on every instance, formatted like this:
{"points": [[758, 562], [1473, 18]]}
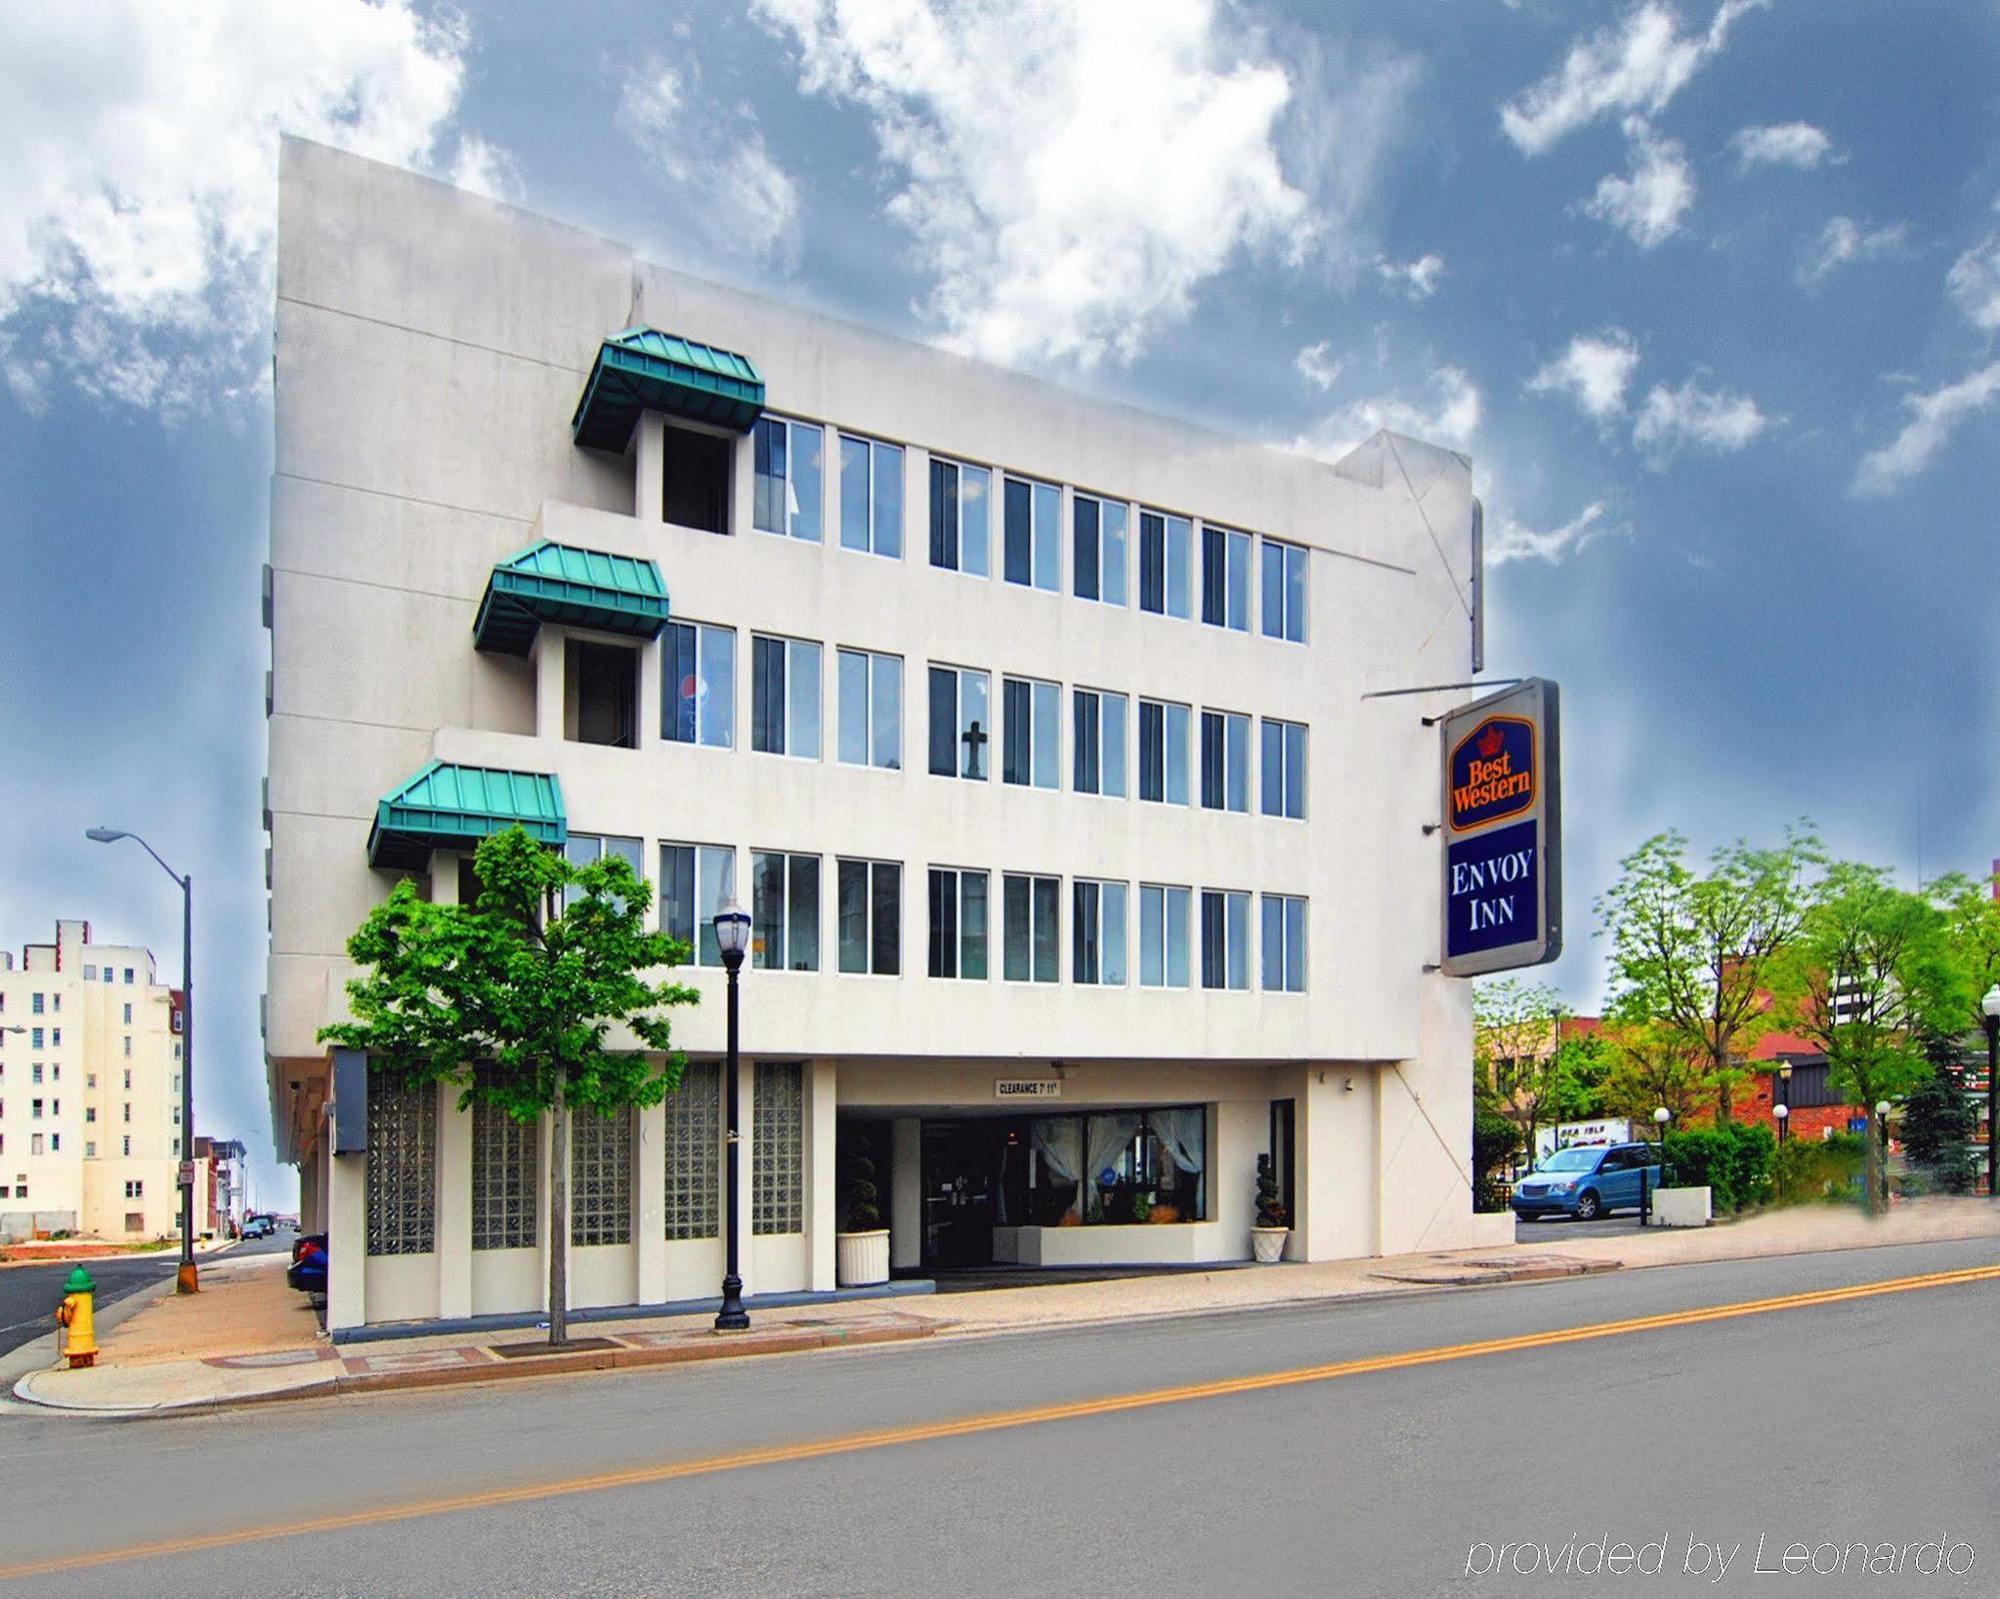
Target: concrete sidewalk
{"points": [[248, 1337]]}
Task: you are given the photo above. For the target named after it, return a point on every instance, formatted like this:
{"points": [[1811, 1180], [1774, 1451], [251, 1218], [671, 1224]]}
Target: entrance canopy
{"points": [[553, 582], [454, 807], [643, 369]]}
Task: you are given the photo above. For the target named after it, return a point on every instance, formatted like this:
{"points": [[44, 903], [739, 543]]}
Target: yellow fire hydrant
{"points": [[74, 1315]]}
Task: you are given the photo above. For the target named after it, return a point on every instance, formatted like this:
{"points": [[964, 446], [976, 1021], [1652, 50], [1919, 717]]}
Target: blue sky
{"points": [[1708, 292]]}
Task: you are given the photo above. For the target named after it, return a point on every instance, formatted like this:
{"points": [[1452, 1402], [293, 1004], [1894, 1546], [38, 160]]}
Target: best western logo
{"points": [[1493, 772]]}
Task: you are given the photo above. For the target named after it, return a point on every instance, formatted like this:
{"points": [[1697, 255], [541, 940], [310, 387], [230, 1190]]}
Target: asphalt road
{"points": [[1867, 1418], [29, 1294]]}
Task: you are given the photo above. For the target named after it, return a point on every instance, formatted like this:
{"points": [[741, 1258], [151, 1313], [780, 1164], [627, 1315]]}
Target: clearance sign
{"points": [[1503, 831]]}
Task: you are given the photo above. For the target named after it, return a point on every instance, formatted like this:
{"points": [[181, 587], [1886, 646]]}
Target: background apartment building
{"points": [[1036, 733]]}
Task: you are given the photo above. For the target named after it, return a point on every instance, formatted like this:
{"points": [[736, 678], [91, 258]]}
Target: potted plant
{"points": [[1267, 1237], [861, 1254]]}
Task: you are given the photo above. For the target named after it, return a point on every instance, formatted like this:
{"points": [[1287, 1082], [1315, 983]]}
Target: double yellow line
{"points": [[998, 1421]]}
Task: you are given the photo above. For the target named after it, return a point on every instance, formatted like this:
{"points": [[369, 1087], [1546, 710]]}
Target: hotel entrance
{"points": [[964, 1165]]}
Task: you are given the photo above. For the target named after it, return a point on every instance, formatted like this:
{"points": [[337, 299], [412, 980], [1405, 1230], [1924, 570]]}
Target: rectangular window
{"points": [[128, 1013], [694, 1152], [1225, 579], [1033, 516], [128, 976], [698, 688], [35, 1073], [505, 1155], [784, 697], [1163, 752], [128, 1143], [90, 974], [1098, 737], [90, 1113], [35, 1004], [790, 478], [1284, 944], [1225, 761], [35, 1110], [586, 849], [961, 723], [1097, 933], [1283, 780], [958, 923], [871, 496], [1284, 596], [128, 1109], [696, 473], [784, 911], [128, 1046], [402, 1166], [777, 1148], [1031, 756], [961, 497], [135, 1188], [1033, 913], [871, 709], [34, 1143], [1098, 556], [871, 917], [1225, 939], [696, 880], [602, 692], [1165, 543], [600, 1177], [36, 1038]]}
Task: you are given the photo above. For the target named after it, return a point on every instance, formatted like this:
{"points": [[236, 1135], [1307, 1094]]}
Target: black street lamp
{"points": [[1783, 1115], [1882, 1139], [188, 1281], [1989, 1009], [732, 938], [1783, 1109]]}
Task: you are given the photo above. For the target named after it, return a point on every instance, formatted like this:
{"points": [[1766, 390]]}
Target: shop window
{"points": [[600, 1177], [1119, 1168], [505, 1157], [698, 469], [402, 1167], [694, 1152], [777, 1149]]}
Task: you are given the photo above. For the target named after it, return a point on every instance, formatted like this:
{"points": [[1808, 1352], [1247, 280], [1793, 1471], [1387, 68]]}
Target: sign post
{"points": [[1502, 797]]}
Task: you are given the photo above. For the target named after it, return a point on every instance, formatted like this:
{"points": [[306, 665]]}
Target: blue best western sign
{"points": [[1503, 831]]}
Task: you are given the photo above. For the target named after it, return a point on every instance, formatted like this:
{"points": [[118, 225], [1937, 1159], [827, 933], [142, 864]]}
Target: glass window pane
{"points": [[853, 493], [1236, 762], [974, 514], [972, 924], [1048, 927], [1015, 753], [1214, 576], [1272, 947], [944, 721], [1111, 727], [678, 684], [1271, 594], [888, 919], [715, 695], [1237, 555], [767, 501], [1048, 538], [1180, 540], [767, 910], [805, 482], [975, 725], [1020, 534], [1111, 919], [1048, 735], [1295, 945], [802, 914], [1152, 751], [1083, 559], [767, 695], [1113, 558], [1211, 939], [803, 735], [944, 514], [1152, 936], [1083, 933], [677, 891], [715, 883], [886, 712], [1295, 770], [1238, 940], [1177, 937], [889, 501], [1016, 955], [852, 690], [1084, 741], [1211, 760], [944, 923], [1177, 755], [1152, 562], [852, 886], [1271, 768], [1295, 595]]}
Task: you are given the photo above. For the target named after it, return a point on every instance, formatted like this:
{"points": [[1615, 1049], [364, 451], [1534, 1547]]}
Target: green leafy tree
{"points": [[1652, 1065], [1516, 1033], [1582, 1070], [1692, 951], [1938, 1127], [1495, 1143], [516, 1000]]}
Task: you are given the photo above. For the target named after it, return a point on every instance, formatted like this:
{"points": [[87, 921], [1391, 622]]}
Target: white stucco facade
{"points": [[431, 348]]}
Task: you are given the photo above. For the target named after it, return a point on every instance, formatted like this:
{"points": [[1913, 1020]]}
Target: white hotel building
{"points": [[1035, 731]]}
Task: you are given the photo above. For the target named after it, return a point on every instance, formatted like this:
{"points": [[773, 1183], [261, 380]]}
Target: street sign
{"points": [[1502, 796], [187, 1174]]}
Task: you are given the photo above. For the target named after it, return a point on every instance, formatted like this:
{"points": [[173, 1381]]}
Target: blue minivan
{"points": [[1587, 1180]]}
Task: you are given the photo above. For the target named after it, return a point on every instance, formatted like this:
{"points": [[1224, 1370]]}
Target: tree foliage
{"points": [[1653, 1065], [1516, 1051]]}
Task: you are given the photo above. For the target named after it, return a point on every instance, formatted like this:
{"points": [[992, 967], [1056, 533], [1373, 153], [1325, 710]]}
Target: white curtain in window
{"points": [[1056, 1139], [1109, 1138], [1180, 1134]]}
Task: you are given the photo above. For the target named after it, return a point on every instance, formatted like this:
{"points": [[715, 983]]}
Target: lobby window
{"points": [[784, 697], [1097, 933], [1284, 943], [1119, 1167], [784, 911], [1284, 769], [1225, 761], [1032, 910], [1098, 737], [961, 722], [603, 694], [1031, 756], [1165, 545], [1163, 752], [1033, 517], [586, 849], [695, 485], [790, 477], [402, 1166], [777, 1148], [1225, 939], [1098, 549], [600, 1177], [505, 1153], [1284, 596], [698, 688], [1225, 579], [695, 881], [961, 514], [694, 1152], [871, 709], [871, 917], [871, 496], [959, 920]]}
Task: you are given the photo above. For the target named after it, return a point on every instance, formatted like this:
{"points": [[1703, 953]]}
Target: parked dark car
{"points": [[307, 1273], [259, 1227], [1588, 1180]]}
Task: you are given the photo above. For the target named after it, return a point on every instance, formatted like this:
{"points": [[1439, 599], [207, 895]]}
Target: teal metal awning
{"points": [[643, 369], [454, 807], [553, 582]]}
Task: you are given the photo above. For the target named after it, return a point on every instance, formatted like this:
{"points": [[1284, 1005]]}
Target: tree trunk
{"points": [[559, 1222]]}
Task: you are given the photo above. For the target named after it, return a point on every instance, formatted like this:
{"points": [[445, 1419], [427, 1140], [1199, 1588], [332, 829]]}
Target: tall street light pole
{"points": [[732, 938], [188, 1281], [1989, 1009]]}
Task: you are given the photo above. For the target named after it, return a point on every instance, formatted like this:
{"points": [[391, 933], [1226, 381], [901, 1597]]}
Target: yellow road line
{"points": [[924, 1432]]}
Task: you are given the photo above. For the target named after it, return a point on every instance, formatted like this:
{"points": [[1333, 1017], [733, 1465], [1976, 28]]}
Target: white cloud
{"points": [[1649, 205], [1691, 417], [736, 195], [486, 169], [1418, 279], [1318, 366], [1781, 144], [1072, 171], [1844, 241], [1637, 65], [1974, 281], [1508, 541], [138, 201], [1594, 371], [1450, 418], [1935, 418]]}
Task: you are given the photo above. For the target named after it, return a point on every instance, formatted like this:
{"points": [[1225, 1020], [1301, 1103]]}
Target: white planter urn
{"points": [[861, 1259], [1268, 1244]]}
